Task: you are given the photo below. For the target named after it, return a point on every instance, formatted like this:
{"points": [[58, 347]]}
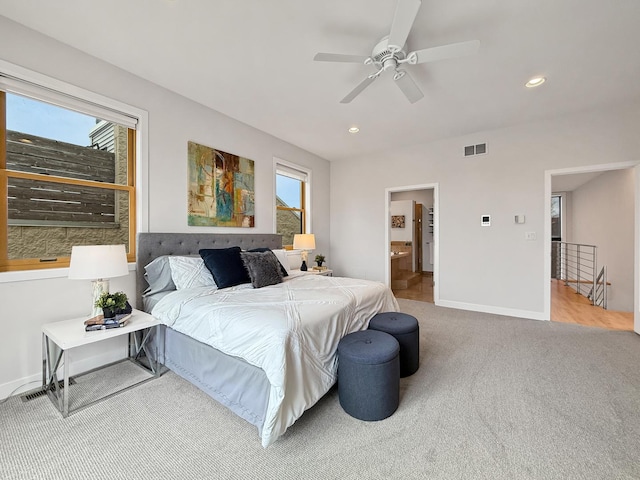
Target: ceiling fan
{"points": [[390, 54]]}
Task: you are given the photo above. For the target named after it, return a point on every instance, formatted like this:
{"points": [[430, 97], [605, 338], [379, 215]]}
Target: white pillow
{"points": [[295, 259], [281, 255], [190, 272]]}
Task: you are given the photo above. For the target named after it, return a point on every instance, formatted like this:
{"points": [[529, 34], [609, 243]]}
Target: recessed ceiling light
{"points": [[25, 140], [535, 82], [354, 130]]}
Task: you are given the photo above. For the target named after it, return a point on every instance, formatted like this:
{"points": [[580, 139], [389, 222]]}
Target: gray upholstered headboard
{"points": [[153, 245]]}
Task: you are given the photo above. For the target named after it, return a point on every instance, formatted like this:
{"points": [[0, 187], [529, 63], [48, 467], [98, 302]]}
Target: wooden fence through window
{"points": [[45, 203]]}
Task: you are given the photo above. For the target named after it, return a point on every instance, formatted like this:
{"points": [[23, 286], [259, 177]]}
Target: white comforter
{"points": [[290, 330]]}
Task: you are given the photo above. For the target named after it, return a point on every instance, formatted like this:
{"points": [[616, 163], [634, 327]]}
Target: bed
{"points": [[268, 354]]}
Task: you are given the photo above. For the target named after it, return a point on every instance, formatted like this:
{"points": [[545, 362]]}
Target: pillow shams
{"points": [[190, 272], [263, 267], [226, 266], [158, 276]]}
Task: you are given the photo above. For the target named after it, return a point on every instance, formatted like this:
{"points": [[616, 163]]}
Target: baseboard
{"points": [[510, 312], [21, 385], [24, 384]]}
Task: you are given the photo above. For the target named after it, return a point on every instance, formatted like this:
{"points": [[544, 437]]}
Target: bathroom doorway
{"points": [[411, 242]]}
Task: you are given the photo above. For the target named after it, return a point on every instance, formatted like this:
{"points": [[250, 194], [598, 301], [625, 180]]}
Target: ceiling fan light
{"points": [[535, 82]]}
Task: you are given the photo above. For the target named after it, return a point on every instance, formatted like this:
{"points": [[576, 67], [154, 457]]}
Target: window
{"points": [[292, 208], [67, 176], [556, 218]]}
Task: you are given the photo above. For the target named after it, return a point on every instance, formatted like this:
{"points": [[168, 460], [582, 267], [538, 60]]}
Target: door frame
{"points": [[636, 241], [436, 233]]}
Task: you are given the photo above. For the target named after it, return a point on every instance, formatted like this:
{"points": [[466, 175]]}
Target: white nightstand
{"points": [[59, 338]]}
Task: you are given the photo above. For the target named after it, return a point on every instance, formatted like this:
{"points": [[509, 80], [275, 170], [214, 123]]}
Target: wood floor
{"points": [[566, 306], [421, 291], [569, 307]]}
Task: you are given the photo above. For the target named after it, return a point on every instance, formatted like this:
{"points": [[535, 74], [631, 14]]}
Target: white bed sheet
{"points": [[290, 330]]}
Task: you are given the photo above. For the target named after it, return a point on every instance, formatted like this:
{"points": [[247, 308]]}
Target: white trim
{"points": [[636, 253], [142, 154], [308, 186], [510, 312], [546, 276], [436, 232], [41, 274]]}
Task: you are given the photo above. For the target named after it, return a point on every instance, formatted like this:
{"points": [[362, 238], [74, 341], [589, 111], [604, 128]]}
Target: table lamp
{"points": [[304, 242], [98, 263]]}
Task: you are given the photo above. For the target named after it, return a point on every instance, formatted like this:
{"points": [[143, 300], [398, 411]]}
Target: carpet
{"points": [[494, 398]]}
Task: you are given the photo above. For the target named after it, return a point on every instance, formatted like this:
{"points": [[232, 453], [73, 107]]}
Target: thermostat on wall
{"points": [[485, 220]]}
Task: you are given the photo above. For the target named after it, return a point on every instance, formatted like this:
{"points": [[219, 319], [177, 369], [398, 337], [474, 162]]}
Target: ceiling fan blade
{"points": [[408, 86], [338, 57], [358, 90], [452, 50], [406, 12]]}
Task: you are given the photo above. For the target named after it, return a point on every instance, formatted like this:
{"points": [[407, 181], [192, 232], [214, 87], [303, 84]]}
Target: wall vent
{"points": [[479, 149]]}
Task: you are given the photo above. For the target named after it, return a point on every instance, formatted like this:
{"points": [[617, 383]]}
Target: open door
{"points": [[636, 260]]}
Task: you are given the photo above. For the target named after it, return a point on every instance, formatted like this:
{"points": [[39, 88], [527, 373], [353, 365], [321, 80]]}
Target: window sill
{"points": [[43, 274]]}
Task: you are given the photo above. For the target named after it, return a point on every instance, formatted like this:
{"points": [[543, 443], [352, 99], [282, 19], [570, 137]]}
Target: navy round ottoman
{"points": [[369, 374], [405, 330]]}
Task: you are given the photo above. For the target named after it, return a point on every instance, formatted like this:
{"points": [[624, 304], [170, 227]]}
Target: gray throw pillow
{"points": [[263, 268]]}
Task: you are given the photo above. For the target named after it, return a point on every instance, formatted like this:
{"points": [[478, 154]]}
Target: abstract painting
{"points": [[397, 221], [221, 188]]}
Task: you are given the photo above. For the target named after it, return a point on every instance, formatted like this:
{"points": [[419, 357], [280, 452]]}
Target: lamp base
{"points": [[303, 267], [99, 287]]}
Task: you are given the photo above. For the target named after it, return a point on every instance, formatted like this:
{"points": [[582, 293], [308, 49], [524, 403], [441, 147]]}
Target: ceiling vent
{"points": [[479, 149]]}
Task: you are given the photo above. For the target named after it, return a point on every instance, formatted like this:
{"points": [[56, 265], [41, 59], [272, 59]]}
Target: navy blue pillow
{"points": [[265, 249], [226, 266]]}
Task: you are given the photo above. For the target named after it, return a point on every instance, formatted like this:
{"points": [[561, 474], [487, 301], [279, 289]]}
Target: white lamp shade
{"points": [[90, 262], [304, 241]]}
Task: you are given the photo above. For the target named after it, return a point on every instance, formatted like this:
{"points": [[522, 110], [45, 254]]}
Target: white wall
{"points": [[481, 268], [173, 121], [603, 215], [402, 207]]}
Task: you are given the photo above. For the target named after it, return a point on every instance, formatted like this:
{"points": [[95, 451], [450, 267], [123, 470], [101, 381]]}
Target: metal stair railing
{"points": [[576, 265], [600, 286]]}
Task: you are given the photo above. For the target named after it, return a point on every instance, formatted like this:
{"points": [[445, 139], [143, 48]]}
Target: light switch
{"points": [[519, 218]]}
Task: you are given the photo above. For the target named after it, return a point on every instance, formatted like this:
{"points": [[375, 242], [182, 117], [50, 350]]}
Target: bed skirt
{"points": [[241, 387]]}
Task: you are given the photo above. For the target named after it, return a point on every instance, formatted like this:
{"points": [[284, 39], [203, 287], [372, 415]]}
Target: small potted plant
{"points": [[320, 259], [112, 303]]}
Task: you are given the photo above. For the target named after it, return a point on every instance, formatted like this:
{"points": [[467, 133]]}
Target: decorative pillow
{"points": [[226, 266], [190, 272], [263, 267], [283, 270], [295, 259], [158, 276]]}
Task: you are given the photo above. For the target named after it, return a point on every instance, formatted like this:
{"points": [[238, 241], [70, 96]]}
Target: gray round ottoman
{"points": [[369, 374], [405, 330]]}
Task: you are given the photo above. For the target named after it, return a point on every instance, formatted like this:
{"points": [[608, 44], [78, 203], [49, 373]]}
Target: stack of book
{"points": [[320, 269], [100, 323]]}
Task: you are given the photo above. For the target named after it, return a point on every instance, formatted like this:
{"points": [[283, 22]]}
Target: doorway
{"points": [[585, 201], [411, 242]]}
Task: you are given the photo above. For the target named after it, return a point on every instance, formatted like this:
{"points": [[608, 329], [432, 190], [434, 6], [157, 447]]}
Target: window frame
{"points": [[280, 167], [27, 269]]}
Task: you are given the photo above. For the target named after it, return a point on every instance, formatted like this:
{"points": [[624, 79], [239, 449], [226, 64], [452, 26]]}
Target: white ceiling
{"points": [[253, 61], [569, 183]]}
